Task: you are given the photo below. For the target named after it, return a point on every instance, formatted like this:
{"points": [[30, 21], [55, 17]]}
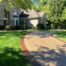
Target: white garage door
{"points": [[34, 22]]}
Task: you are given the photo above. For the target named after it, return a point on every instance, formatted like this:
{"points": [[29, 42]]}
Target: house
{"points": [[34, 17], [18, 15], [13, 15]]}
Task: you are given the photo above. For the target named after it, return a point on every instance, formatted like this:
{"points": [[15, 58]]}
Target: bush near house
{"points": [[19, 27], [8, 27], [2, 27], [63, 24], [40, 26]]}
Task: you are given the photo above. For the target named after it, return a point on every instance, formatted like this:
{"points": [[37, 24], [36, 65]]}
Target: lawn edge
{"points": [[58, 39], [30, 57]]}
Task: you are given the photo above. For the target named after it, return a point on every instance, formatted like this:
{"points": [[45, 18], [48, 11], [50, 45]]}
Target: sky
{"points": [[36, 2]]}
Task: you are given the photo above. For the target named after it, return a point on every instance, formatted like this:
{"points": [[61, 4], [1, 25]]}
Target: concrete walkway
{"points": [[47, 50]]}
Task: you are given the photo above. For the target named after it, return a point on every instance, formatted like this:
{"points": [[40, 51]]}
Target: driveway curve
{"points": [[47, 50]]}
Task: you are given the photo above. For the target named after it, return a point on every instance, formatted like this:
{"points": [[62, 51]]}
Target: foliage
{"points": [[62, 24], [64, 14], [0, 0], [40, 26], [25, 4], [8, 27], [56, 9], [43, 6], [1, 27], [61, 34]]}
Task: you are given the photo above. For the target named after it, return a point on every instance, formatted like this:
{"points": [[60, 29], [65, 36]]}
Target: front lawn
{"points": [[10, 51], [61, 35]]}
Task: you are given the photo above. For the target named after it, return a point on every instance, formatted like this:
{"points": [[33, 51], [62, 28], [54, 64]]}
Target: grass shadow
{"points": [[12, 57]]}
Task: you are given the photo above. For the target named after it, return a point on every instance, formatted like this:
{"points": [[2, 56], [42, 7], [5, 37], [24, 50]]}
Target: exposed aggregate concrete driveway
{"points": [[47, 50]]}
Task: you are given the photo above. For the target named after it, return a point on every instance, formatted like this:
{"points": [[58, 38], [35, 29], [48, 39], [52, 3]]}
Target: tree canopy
{"points": [[25, 4], [54, 9]]}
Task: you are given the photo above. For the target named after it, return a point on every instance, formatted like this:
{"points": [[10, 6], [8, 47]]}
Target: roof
{"points": [[41, 14], [23, 15], [31, 14]]}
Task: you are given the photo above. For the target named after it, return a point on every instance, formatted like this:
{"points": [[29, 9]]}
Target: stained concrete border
{"points": [[30, 57]]}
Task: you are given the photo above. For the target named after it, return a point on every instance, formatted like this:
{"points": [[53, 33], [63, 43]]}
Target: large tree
{"points": [[24, 4], [56, 9]]}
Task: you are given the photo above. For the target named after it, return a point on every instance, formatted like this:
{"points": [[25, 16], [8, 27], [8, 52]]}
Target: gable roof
{"points": [[31, 14], [41, 14], [23, 15]]}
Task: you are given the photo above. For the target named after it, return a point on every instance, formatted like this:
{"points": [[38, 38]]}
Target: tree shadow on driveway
{"points": [[50, 57], [42, 34]]}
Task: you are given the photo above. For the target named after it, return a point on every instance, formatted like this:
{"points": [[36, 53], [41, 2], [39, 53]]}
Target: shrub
{"points": [[40, 26], [19, 27], [63, 25], [9, 27], [16, 27], [1, 27], [48, 23], [48, 28]]}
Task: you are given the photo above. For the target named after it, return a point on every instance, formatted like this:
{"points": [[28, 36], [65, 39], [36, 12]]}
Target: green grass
{"points": [[61, 35], [10, 51]]}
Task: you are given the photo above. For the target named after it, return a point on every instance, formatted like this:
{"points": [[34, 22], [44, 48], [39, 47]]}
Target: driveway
{"points": [[47, 50]]}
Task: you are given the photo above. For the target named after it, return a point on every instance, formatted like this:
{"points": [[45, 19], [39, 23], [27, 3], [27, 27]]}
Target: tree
{"points": [[56, 9], [24, 4], [64, 11], [43, 5], [64, 14]]}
